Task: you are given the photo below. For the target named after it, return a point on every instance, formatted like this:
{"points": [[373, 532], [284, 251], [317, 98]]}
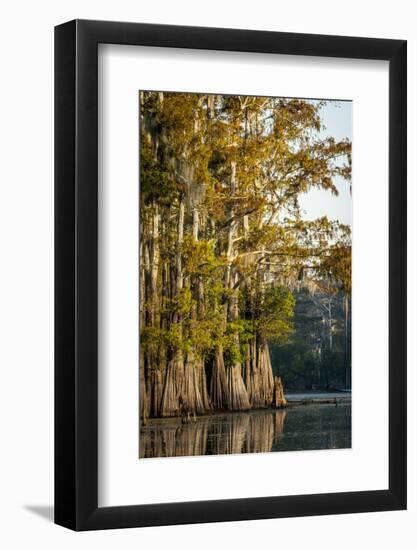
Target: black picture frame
{"points": [[76, 272]]}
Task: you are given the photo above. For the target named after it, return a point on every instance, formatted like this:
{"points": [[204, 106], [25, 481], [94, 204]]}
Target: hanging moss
{"points": [[223, 243]]}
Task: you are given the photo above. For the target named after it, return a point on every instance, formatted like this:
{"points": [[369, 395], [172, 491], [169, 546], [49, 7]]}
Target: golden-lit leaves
{"points": [[238, 166]]}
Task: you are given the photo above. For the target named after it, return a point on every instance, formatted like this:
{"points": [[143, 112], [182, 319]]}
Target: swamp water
{"points": [[297, 428]]}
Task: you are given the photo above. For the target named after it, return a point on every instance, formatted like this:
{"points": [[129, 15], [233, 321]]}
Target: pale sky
{"points": [[337, 117]]}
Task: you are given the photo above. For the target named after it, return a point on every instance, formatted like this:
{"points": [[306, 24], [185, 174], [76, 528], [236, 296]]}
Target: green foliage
{"points": [[222, 234], [199, 257], [235, 339], [155, 184], [274, 313]]}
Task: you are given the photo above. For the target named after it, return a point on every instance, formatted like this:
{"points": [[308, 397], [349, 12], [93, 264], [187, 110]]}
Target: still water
{"points": [[304, 427]]}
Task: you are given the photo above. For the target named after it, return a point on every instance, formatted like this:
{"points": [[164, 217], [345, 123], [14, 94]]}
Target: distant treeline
{"points": [[318, 355]]}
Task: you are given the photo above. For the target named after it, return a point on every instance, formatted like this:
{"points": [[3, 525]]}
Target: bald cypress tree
{"points": [[223, 242]]}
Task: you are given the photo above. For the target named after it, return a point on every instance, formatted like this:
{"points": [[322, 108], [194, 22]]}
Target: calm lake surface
{"points": [[302, 427]]}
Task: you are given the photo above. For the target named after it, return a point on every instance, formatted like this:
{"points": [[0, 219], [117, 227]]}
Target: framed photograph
{"points": [[230, 253]]}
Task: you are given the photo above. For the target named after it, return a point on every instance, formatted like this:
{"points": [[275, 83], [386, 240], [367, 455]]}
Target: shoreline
{"points": [[291, 404]]}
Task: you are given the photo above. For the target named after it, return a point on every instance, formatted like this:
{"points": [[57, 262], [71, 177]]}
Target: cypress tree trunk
{"points": [[170, 398], [151, 368], [266, 377], [219, 393], [253, 376], [238, 397], [143, 400], [259, 375], [154, 388], [279, 400], [170, 405], [193, 385], [150, 317], [190, 392], [202, 378]]}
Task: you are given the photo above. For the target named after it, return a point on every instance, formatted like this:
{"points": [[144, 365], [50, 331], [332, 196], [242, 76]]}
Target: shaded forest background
{"points": [[318, 355], [238, 292]]}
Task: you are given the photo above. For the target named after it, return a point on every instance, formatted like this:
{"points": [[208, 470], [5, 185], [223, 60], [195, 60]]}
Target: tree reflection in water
{"points": [[309, 427], [235, 433]]}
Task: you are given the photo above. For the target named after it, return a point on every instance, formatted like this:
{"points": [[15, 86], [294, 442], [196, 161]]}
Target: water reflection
{"points": [[299, 428]]}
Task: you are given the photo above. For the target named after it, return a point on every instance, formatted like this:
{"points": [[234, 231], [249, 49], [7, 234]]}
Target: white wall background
{"points": [[26, 289]]}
